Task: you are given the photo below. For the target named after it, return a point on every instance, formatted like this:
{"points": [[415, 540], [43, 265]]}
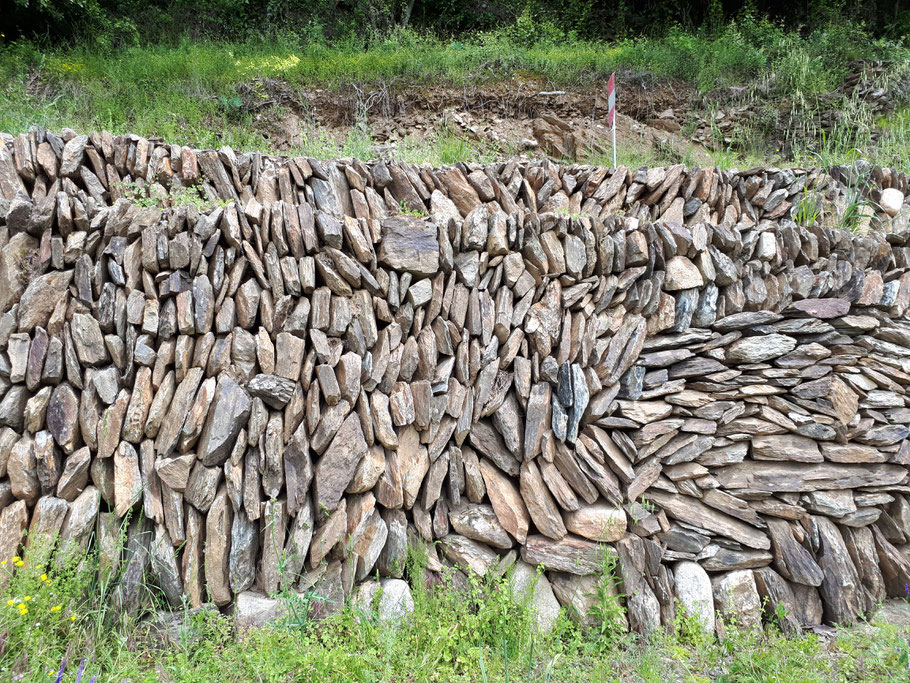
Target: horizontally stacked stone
{"points": [[289, 388]]}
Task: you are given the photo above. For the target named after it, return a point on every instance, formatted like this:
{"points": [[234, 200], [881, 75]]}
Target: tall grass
{"points": [[463, 628], [209, 93]]}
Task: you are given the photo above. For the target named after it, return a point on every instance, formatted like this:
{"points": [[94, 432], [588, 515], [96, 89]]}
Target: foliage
{"points": [[143, 196], [41, 605], [607, 610], [211, 93], [462, 629], [113, 24], [808, 209], [856, 209]]}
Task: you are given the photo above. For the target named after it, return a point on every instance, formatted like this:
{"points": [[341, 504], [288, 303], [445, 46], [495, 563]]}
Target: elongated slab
{"points": [[698, 514], [798, 477]]}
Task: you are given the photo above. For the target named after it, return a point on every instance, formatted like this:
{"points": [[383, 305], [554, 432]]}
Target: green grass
{"points": [[447, 147], [460, 630], [215, 93]]}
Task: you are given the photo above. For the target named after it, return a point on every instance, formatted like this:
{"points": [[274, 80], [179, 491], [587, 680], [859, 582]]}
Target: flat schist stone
{"points": [[800, 477], [825, 309], [409, 244]]}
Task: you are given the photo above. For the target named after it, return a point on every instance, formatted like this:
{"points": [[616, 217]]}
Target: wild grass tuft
{"points": [[462, 629]]}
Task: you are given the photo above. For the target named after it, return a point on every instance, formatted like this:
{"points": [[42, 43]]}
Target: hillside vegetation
{"points": [[223, 91], [57, 623]]}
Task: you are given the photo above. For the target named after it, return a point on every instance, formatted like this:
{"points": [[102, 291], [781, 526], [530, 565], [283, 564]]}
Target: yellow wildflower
{"points": [[10, 602], [28, 597], [20, 563], [21, 605], [3, 563], [44, 577], [23, 611], [73, 618], [16, 558], [56, 608]]}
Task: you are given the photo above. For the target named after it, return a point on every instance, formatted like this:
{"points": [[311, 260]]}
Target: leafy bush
{"points": [[39, 605], [531, 30]]}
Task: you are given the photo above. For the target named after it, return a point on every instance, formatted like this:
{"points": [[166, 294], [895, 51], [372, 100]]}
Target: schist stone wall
{"points": [[526, 363]]}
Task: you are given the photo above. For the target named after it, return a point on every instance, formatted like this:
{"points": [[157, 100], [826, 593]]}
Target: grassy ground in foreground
{"points": [[204, 93], [475, 631]]}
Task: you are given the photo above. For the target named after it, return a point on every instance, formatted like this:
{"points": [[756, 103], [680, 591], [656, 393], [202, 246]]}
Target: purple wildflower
{"points": [[62, 669], [79, 672]]}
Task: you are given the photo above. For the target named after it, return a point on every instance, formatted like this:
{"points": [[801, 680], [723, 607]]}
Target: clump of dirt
{"points": [[517, 117]]}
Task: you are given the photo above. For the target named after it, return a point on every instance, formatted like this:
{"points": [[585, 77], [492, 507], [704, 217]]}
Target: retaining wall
{"points": [[289, 382]]}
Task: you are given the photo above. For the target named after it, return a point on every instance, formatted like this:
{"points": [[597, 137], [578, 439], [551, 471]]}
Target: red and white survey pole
{"points": [[611, 88]]}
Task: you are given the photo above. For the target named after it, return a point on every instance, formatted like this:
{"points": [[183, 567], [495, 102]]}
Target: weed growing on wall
{"points": [[607, 610]]}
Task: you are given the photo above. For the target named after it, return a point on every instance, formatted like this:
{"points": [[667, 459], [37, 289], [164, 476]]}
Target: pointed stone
{"points": [[169, 432], [843, 596], [507, 502], [328, 534], [244, 548], [175, 472], [74, 477], [164, 568], [218, 525], [336, 467], [570, 554], [111, 424], [537, 418], [540, 504], [88, 340], [300, 536], [272, 532], [227, 415], [78, 525], [469, 554], [413, 462], [13, 523], [127, 478], [41, 297]]}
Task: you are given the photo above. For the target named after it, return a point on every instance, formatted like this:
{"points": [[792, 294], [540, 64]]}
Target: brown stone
{"points": [[696, 513], [598, 522], [169, 431], [414, 463], [218, 525], [507, 503], [328, 534], [570, 554], [127, 478], [540, 504], [13, 523], [335, 469], [409, 244]]}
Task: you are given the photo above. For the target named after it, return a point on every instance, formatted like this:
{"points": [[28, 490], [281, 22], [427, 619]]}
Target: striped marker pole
{"points": [[611, 87]]}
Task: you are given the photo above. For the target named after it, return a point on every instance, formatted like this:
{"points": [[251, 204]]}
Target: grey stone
{"points": [[227, 415]]}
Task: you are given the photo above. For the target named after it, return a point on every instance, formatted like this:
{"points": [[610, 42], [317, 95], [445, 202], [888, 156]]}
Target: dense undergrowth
{"points": [[211, 93], [54, 618]]}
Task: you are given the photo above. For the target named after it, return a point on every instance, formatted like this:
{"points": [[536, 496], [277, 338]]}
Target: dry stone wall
{"points": [[530, 364]]}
